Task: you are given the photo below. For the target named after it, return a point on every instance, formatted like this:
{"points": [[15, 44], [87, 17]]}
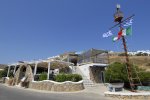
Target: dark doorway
{"points": [[96, 74], [102, 76]]}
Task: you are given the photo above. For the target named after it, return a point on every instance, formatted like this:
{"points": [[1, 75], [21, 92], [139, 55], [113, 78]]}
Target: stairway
{"points": [[87, 82]]}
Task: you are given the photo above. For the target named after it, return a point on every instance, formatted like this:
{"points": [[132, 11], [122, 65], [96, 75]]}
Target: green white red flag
{"points": [[118, 37], [127, 31], [124, 32]]}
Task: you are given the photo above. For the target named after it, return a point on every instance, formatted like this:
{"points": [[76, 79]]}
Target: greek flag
{"points": [[129, 23], [107, 34]]}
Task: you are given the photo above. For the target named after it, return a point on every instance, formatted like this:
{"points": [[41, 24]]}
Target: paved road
{"points": [[13, 93]]}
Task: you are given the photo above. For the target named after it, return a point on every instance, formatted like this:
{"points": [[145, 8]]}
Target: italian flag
{"points": [[118, 37], [127, 31], [124, 32]]}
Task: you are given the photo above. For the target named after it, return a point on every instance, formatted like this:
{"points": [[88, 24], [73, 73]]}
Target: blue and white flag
{"points": [[107, 34], [128, 23]]}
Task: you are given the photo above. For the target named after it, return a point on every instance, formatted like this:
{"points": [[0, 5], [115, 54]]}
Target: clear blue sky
{"points": [[37, 29]]}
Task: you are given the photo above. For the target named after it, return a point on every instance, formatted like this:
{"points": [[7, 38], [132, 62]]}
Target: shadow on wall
{"points": [[96, 74]]}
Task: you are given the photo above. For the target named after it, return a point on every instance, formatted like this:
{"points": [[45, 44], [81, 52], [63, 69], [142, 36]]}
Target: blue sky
{"points": [[37, 29]]}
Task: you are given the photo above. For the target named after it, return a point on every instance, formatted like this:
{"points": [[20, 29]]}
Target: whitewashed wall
{"points": [[85, 69]]}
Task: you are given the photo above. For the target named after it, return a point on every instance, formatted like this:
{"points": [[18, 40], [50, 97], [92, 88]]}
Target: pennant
{"points": [[129, 23], [107, 34], [119, 34], [127, 31], [115, 39]]}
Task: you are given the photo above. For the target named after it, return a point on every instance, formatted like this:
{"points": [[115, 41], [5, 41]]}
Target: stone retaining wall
{"points": [[49, 85], [8, 81], [28, 74], [129, 96]]}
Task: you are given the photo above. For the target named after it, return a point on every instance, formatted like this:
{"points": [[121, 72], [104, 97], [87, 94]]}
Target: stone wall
{"points": [[129, 96], [28, 74], [57, 86], [6, 81]]}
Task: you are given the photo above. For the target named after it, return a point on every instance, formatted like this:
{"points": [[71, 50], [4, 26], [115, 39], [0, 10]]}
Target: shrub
{"points": [[68, 77], [142, 54], [43, 76], [60, 77], [76, 77], [11, 75], [118, 71], [3, 73], [144, 76]]}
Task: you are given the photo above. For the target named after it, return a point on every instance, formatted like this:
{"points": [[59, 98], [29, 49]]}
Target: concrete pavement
{"points": [[14, 93]]}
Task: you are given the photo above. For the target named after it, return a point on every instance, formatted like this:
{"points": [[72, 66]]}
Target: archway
{"points": [[23, 74]]}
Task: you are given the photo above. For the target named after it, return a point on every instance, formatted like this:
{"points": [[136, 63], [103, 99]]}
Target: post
{"points": [[35, 68], [15, 69], [8, 71], [68, 58], [127, 60], [49, 65]]}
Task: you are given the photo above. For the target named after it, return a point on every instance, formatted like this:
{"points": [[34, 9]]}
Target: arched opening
{"points": [[23, 75], [22, 72]]}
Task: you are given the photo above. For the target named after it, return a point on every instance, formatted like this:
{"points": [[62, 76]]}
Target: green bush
{"points": [[43, 76], [11, 74], [144, 76], [3, 73], [141, 54], [60, 77], [118, 71], [68, 77], [76, 77]]}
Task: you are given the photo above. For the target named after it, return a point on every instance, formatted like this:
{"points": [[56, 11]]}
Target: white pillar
{"points": [[49, 65], [68, 58], [8, 71], [35, 68], [15, 69]]}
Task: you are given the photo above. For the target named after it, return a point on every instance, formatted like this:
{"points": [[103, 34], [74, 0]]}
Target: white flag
{"points": [[107, 34], [128, 23], [124, 32]]}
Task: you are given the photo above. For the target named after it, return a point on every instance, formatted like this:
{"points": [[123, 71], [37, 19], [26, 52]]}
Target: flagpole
{"points": [[129, 72], [118, 18]]}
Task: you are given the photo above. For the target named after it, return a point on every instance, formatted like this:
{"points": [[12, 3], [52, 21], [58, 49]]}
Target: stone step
{"points": [[86, 82]]}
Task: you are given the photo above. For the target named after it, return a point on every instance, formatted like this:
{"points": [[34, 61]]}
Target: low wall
{"points": [[49, 85], [129, 95], [8, 81]]}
